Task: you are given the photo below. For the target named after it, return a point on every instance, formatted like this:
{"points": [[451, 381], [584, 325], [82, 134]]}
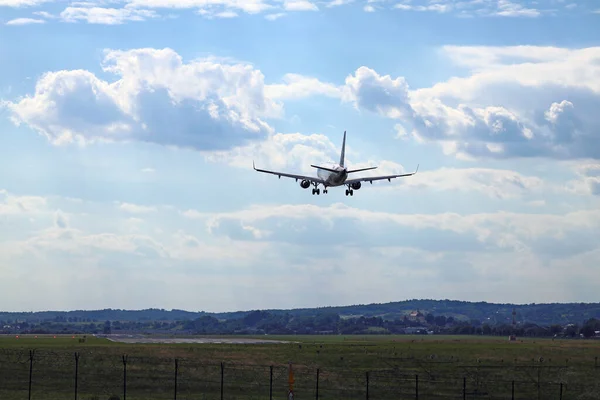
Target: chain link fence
{"points": [[91, 375]]}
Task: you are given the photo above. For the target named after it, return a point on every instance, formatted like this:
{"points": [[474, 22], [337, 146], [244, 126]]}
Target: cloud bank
{"points": [[322, 249], [122, 11]]}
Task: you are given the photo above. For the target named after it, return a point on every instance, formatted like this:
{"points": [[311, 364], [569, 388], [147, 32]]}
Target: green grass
{"points": [[489, 364]]}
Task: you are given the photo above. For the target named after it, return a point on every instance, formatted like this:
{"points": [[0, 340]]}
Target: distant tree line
{"points": [[322, 322], [491, 313]]}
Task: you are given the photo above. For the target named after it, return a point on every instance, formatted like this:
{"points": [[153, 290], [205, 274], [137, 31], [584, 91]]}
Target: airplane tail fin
{"points": [[343, 152]]}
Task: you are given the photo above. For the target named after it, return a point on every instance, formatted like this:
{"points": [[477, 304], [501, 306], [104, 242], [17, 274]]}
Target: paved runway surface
{"points": [[143, 339]]}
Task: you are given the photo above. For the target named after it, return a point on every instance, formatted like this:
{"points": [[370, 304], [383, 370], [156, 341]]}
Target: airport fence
{"points": [[50, 375]]}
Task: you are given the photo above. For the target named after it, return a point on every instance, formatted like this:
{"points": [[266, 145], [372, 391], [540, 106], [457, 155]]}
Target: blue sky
{"points": [[129, 127]]}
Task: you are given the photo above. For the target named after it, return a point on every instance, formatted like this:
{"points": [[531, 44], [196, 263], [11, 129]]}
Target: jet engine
{"points": [[305, 184], [356, 185]]}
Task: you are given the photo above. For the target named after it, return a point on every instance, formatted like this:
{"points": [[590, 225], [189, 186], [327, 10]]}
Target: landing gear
{"points": [[317, 191], [349, 191]]}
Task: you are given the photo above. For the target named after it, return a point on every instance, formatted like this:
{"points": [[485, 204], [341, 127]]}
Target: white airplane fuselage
{"points": [[333, 178]]}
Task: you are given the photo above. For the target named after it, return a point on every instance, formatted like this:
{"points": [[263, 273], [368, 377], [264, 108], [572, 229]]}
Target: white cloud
{"points": [[291, 150], [299, 5], [437, 7], [197, 99], [508, 8], [588, 182], [44, 14], [529, 66], [495, 232], [226, 14], [204, 104], [512, 105], [496, 183], [12, 204], [25, 21], [23, 3], [475, 116], [248, 6], [298, 86], [273, 17], [499, 8], [136, 208], [243, 251], [101, 12], [107, 16], [335, 3], [537, 203]]}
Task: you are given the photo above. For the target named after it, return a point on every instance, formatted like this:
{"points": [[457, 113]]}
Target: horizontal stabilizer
{"points": [[361, 169], [325, 168]]}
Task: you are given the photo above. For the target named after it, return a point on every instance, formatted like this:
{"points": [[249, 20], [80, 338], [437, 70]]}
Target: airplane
{"points": [[334, 175]]}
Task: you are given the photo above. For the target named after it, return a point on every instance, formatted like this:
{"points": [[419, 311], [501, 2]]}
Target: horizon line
{"points": [[298, 308]]}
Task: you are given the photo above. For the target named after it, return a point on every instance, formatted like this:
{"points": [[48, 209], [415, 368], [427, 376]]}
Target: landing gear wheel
{"points": [[318, 191], [347, 192], [351, 192]]}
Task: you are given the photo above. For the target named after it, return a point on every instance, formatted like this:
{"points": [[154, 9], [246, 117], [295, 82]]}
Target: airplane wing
{"points": [[280, 174], [378, 178]]}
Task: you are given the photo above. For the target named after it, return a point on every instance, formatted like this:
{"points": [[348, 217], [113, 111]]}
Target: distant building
{"points": [[416, 316]]}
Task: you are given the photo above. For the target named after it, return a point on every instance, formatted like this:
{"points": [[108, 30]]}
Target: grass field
{"points": [[396, 367]]}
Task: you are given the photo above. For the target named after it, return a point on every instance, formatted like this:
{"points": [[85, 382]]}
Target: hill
{"points": [[491, 313]]}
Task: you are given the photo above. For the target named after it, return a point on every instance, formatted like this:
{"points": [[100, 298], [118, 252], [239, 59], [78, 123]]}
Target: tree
{"points": [[486, 329], [430, 318], [588, 331], [106, 329]]}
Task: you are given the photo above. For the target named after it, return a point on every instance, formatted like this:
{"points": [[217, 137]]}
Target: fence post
{"points": [[513, 391], [271, 382], [222, 368], [124, 376], [538, 385], [417, 386], [317, 389], [76, 372], [31, 354], [367, 374], [464, 388], [176, 373], [596, 362], [561, 389]]}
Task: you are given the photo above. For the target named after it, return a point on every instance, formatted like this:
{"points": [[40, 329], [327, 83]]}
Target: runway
{"points": [[204, 340]]}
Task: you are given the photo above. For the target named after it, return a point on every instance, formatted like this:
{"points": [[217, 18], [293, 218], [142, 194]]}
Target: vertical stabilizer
{"points": [[343, 153]]}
